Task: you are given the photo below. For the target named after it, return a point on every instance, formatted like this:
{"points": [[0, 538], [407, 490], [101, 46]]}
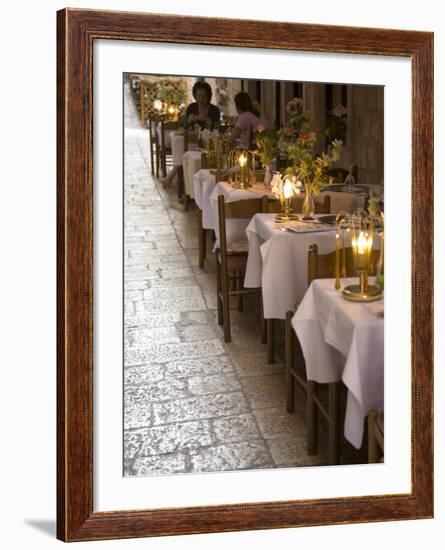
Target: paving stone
{"points": [[255, 364], [291, 452], [198, 332], [170, 293], [162, 353], [170, 273], [233, 429], [264, 392], [169, 438], [201, 385], [143, 374], [171, 304], [136, 285], [275, 423], [157, 391], [245, 455], [160, 465], [137, 411], [152, 320], [218, 364], [141, 275], [160, 335], [132, 295], [195, 408]]}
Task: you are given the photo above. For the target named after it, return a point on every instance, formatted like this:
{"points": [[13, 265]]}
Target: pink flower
{"points": [[339, 110], [260, 128], [288, 131], [293, 104], [305, 138]]}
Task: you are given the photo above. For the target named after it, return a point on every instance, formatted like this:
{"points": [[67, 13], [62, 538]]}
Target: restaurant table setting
{"points": [[343, 340], [277, 259]]}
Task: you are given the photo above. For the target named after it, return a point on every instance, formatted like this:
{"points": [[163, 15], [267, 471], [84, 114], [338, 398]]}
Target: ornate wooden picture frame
{"points": [[77, 31]]}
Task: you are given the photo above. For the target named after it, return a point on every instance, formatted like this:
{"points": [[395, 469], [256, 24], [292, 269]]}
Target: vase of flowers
{"points": [[310, 170]]}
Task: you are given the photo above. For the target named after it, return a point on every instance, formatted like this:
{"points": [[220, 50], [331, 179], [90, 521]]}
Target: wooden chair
{"points": [[220, 173], [376, 436], [272, 205], [164, 149], [153, 121], [231, 259]]}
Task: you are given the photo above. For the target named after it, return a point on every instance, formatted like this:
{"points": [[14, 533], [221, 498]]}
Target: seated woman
{"points": [[201, 113], [248, 121]]}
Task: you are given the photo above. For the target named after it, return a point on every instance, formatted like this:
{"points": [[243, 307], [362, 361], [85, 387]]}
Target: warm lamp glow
{"points": [[363, 244], [157, 104], [288, 188], [242, 160], [171, 110]]}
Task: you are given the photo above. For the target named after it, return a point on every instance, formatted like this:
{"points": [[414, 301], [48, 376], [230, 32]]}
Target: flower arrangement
{"points": [[309, 169], [266, 144], [298, 121], [336, 124]]}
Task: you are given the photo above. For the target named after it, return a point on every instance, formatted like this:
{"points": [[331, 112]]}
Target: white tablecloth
{"points": [[277, 262], [177, 144], [191, 163], [343, 340], [203, 184]]}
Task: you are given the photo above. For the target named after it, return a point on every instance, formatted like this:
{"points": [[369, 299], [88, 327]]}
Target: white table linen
{"points": [[203, 185], [191, 163], [343, 340], [177, 145], [277, 262]]}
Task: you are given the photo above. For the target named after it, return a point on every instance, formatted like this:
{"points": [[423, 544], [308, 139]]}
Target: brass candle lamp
{"points": [[285, 189], [362, 238]]}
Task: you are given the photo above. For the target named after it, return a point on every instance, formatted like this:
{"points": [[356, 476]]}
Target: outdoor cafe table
{"points": [[277, 260], [343, 340]]}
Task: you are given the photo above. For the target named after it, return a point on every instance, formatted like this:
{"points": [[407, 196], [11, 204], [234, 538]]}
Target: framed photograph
{"points": [[207, 170]]}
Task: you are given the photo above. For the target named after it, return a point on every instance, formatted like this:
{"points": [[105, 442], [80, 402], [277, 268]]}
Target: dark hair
{"points": [[244, 103], [200, 85]]}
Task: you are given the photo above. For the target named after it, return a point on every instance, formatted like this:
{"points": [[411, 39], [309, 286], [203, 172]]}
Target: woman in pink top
{"points": [[249, 118]]}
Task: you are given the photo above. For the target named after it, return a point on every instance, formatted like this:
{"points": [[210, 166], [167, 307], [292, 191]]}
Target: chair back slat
{"points": [[272, 205], [242, 209], [322, 266]]}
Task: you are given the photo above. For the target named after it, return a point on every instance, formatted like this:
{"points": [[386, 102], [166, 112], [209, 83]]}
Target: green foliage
{"points": [[267, 144]]}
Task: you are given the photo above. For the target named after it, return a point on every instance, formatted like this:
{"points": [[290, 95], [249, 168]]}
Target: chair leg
{"points": [[202, 241], [226, 306], [219, 291], [239, 286], [180, 183], [373, 448], [186, 202], [263, 323], [270, 341], [289, 363], [334, 423], [152, 159], [158, 153], [312, 418]]}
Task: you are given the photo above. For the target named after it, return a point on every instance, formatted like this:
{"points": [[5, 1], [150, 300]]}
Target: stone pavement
{"points": [[192, 403]]}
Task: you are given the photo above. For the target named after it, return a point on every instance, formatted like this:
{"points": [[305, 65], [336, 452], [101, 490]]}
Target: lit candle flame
{"points": [[242, 159], [288, 188], [363, 244]]}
